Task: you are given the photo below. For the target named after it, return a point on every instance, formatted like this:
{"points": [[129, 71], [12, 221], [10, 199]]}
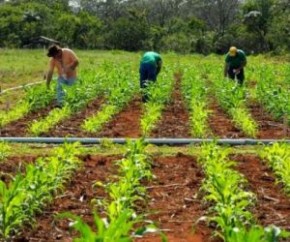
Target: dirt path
{"points": [[268, 127], [126, 123], [175, 118], [19, 127], [76, 199], [174, 198], [72, 125], [273, 206], [14, 164], [220, 123]]}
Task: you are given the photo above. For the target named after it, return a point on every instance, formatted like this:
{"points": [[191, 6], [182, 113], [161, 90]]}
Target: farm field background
{"points": [[189, 100]]}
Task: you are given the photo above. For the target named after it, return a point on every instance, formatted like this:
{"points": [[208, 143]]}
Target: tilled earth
{"points": [[174, 203], [174, 122]]}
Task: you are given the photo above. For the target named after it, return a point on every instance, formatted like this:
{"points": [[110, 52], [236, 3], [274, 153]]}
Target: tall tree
{"points": [[257, 17], [218, 14]]}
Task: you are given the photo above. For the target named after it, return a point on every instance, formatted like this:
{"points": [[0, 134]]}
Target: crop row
{"points": [[118, 85], [224, 190]]}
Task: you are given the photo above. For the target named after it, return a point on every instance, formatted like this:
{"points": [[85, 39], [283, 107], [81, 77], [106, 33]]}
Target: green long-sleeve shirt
{"points": [[237, 60], [151, 57]]}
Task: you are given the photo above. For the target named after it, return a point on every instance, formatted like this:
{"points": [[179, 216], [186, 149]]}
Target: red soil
{"points": [[273, 206], [174, 201], [175, 118], [268, 127], [72, 126], [221, 124], [174, 122], [19, 127]]}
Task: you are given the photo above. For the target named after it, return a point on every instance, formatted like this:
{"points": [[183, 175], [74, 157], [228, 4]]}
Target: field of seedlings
{"points": [[138, 191]]}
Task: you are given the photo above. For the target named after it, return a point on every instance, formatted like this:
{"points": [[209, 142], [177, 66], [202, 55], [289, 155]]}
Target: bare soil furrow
{"points": [[75, 199], [268, 127], [220, 123], [71, 127], [19, 128], [272, 206], [175, 117], [13, 165], [126, 123], [174, 200]]}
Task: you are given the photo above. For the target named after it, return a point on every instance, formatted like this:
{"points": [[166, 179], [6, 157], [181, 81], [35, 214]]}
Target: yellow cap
{"points": [[233, 51]]}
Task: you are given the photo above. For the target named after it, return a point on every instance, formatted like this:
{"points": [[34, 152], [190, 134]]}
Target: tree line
{"points": [[184, 26]]}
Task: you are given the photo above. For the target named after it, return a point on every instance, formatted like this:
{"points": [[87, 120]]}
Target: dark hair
{"points": [[53, 50]]}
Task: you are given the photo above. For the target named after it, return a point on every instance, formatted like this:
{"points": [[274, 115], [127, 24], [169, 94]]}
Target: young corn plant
{"points": [[18, 112], [28, 193], [116, 230], [76, 98], [277, 157], [194, 92], [272, 95], [244, 122], [134, 168], [36, 97], [121, 92], [5, 150], [123, 193], [159, 94], [38, 127], [257, 233], [224, 188], [232, 99]]}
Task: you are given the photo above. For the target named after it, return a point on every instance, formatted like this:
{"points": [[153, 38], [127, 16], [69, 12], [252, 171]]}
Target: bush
{"points": [[178, 42]]}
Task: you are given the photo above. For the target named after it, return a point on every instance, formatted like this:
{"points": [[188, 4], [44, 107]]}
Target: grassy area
{"points": [[116, 149], [20, 67]]}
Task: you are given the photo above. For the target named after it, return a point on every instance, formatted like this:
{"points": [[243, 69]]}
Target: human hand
{"points": [[236, 71]]}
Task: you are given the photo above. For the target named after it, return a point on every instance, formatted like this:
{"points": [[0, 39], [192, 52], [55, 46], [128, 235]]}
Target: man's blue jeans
{"points": [[148, 73], [60, 94]]}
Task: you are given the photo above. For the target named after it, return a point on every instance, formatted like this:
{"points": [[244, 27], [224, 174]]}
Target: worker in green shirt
{"points": [[150, 66], [235, 62]]}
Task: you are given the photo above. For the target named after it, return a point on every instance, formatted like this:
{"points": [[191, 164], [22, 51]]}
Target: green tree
{"points": [[88, 30], [129, 33], [66, 27], [257, 18], [279, 27], [10, 26]]}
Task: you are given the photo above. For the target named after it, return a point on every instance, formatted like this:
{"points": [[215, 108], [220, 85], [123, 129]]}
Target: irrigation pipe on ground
{"points": [[155, 141], [19, 87]]}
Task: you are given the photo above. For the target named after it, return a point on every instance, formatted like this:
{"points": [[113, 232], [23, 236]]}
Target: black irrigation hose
{"points": [[155, 141]]}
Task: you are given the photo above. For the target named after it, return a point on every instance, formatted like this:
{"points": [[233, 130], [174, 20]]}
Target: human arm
{"points": [[227, 65], [243, 64], [226, 68], [49, 74], [159, 66]]}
